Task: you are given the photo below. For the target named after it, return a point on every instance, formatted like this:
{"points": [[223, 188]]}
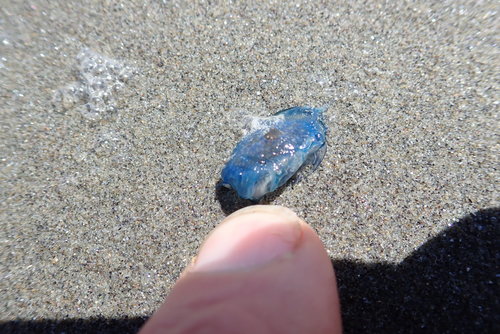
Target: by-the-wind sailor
{"points": [[269, 156]]}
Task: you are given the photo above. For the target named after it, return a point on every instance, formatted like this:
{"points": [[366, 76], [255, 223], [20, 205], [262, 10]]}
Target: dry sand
{"points": [[103, 202]]}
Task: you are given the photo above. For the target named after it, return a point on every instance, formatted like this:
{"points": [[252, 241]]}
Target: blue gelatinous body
{"points": [[268, 157]]}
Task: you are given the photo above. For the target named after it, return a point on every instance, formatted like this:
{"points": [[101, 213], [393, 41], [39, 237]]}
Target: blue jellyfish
{"points": [[266, 158]]}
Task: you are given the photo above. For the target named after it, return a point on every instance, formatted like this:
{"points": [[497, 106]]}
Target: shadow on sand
{"points": [[449, 285], [231, 202]]}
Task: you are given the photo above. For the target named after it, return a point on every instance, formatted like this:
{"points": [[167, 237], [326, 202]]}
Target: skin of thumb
{"points": [[252, 286]]}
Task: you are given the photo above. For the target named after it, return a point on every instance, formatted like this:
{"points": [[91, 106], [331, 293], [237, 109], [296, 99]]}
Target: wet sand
{"points": [[109, 163]]}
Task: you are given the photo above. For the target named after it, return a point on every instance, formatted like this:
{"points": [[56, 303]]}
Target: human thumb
{"points": [[262, 270]]}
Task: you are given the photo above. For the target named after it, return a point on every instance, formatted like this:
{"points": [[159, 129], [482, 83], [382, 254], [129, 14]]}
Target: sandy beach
{"points": [[118, 118]]}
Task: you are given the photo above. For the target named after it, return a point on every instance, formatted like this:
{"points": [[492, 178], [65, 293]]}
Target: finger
{"points": [[263, 270]]}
